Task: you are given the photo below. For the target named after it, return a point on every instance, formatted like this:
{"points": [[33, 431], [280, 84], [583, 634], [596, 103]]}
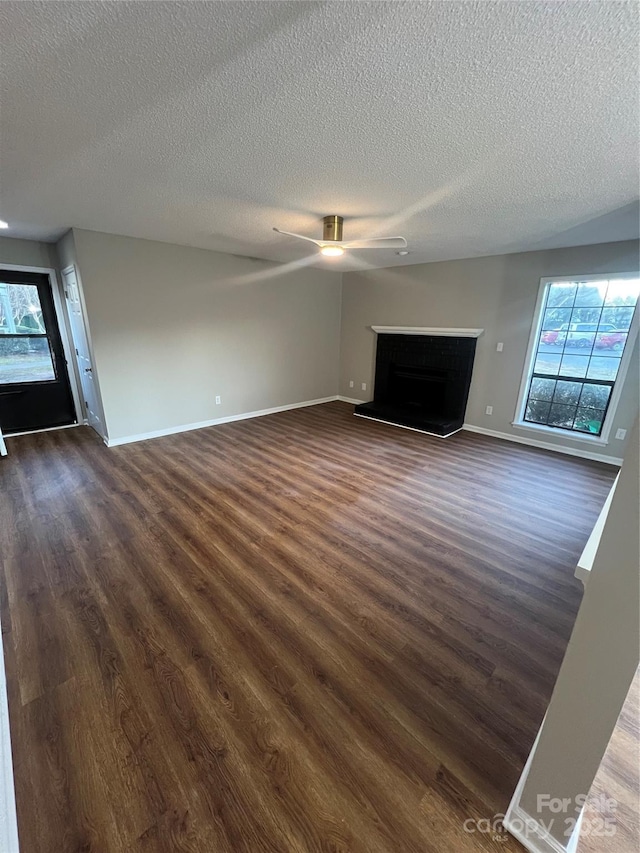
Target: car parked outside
{"points": [[582, 334], [611, 340]]}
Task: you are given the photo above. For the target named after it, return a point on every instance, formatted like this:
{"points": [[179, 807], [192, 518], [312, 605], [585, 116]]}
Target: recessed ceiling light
{"points": [[403, 252], [3, 224]]}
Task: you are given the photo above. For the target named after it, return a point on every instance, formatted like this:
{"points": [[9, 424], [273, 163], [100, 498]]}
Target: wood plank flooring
{"points": [[304, 632], [612, 813]]}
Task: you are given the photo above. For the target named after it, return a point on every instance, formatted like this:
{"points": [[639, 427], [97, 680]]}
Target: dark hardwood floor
{"points": [[303, 632]]}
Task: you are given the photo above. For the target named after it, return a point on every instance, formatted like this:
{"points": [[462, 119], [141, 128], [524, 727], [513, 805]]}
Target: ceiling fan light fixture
{"points": [[333, 246], [332, 251]]}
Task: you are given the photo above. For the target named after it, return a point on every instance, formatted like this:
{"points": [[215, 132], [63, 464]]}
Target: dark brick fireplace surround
{"points": [[421, 381]]}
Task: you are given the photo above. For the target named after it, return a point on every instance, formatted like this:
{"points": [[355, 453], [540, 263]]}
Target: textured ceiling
{"points": [[471, 128]]}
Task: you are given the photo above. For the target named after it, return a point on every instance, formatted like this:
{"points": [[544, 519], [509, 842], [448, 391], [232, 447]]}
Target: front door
{"points": [[34, 383]]}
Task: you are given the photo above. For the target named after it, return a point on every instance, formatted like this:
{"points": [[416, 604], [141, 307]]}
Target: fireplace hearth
{"points": [[422, 381]]}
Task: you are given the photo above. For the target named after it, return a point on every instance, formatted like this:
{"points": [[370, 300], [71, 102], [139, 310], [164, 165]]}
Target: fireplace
{"points": [[422, 380], [420, 388]]}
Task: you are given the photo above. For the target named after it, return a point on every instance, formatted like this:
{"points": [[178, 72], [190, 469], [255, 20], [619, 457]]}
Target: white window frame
{"points": [[536, 328]]}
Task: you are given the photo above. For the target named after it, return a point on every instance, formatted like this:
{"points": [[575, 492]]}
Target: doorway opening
{"points": [[35, 388]]}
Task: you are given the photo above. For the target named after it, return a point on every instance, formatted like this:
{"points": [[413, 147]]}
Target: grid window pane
{"points": [[623, 292], [595, 396], [568, 393], [611, 343], [25, 359], [551, 340], [537, 411], [583, 333], [542, 389], [547, 362], [561, 416], [20, 310], [554, 318], [603, 367], [561, 293], [616, 318], [587, 315], [589, 420], [574, 365], [591, 293]]}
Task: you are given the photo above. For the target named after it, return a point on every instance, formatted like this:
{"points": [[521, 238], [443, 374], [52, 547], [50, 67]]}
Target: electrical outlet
{"points": [[621, 433], [499, 347], [351, 383], [488, 410], [364, 386], [218, 401]]}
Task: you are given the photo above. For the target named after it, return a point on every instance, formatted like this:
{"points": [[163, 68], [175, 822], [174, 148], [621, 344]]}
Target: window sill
{"points": [[561, 433]]}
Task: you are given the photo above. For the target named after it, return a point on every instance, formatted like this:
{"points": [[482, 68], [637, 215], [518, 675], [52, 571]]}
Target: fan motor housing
{"points": [[332, 228]]}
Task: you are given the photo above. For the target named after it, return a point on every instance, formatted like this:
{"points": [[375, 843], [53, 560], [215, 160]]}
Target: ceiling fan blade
{"points": [[377, 243], [299, 237]]}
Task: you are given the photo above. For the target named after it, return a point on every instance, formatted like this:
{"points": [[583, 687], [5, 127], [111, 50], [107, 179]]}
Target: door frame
{"points": [[73, 267], [67, 347]]}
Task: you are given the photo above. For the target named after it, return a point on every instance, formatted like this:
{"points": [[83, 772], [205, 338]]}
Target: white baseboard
{"points": [[532, 442], [556, 448], [535, 837], [531, 833], [351, 400], [144, 436], [8, 819]]}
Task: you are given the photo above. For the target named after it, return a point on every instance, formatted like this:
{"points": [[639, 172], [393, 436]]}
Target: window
{"points": [[25, 354], [582, 331]]}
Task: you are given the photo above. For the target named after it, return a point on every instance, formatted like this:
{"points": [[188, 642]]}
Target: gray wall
{"points": [[495, 293], [27, 253], [172, 327], [600, 663]]}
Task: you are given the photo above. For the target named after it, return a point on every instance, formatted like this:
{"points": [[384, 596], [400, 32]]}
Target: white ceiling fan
{"points": [[332, 245]]}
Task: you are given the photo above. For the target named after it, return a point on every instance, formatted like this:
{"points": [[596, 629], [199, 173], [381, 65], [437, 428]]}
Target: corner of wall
{"points": [[340, 311]]}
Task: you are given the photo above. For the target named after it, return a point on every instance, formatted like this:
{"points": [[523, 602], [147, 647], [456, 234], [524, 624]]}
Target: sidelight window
{"points": [[583, 334]]}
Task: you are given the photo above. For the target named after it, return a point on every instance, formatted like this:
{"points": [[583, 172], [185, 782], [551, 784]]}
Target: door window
{"points": [[25, 351]]}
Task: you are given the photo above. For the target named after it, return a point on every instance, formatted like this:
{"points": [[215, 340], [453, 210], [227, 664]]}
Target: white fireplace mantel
{"points": [[427, 330]]}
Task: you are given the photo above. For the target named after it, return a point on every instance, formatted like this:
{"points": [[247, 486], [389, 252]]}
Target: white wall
{"points": [[600, 663], [497, 294], [172, 327]]}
